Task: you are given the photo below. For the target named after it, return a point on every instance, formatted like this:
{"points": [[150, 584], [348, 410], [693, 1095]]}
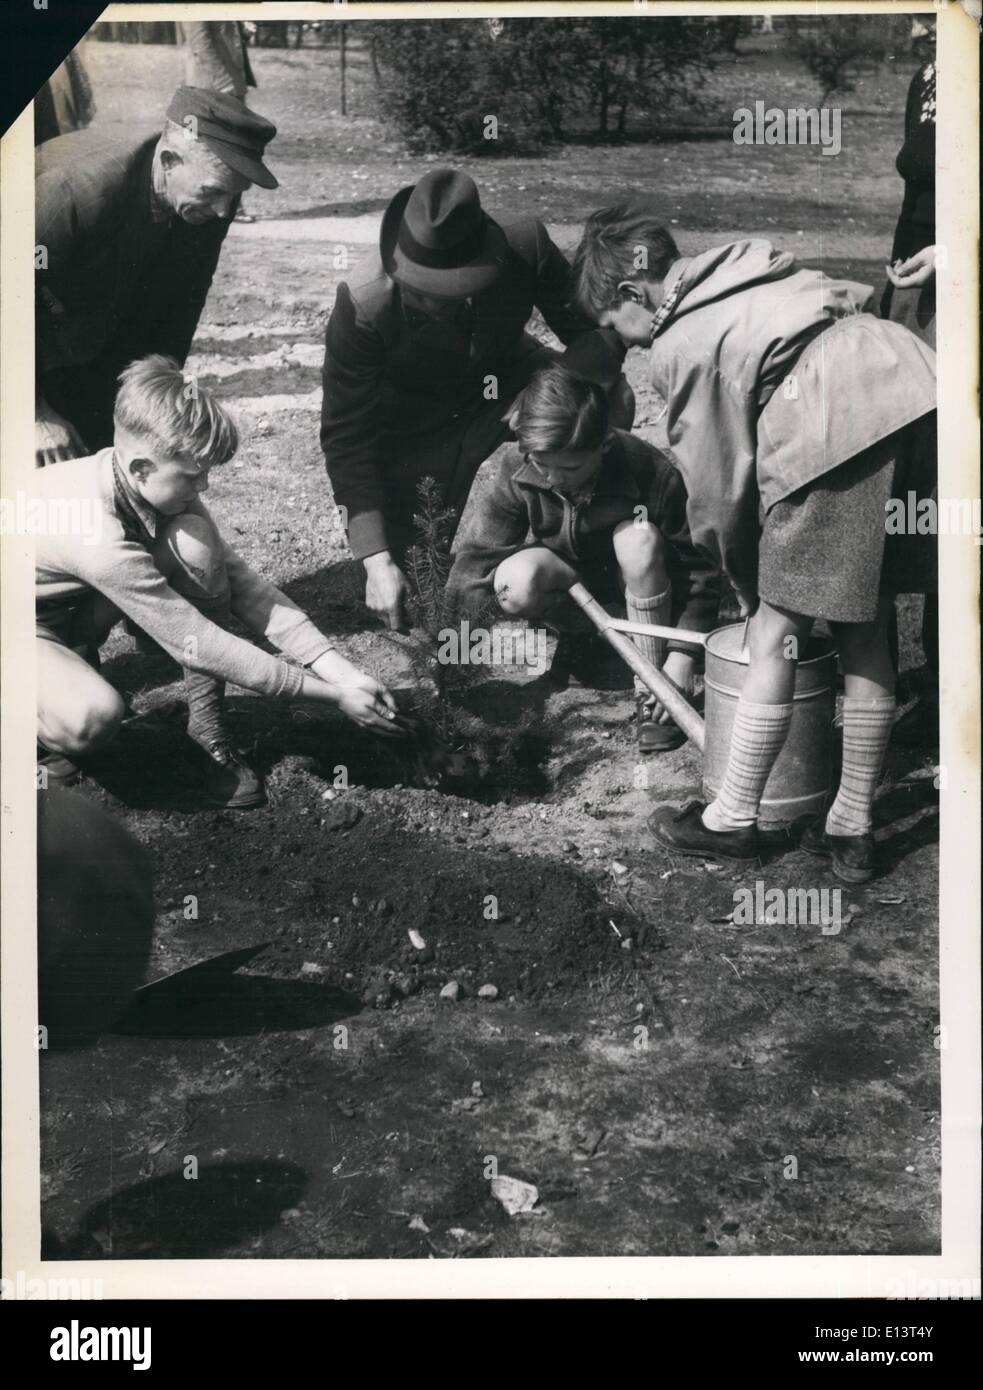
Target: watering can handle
{"points": [[681, 710], [676, 634]]}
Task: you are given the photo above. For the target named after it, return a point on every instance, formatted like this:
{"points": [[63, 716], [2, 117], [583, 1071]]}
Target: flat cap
{"points": [[227, 126]]}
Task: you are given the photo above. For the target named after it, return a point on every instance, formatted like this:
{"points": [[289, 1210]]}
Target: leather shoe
{"points": [[229, 780], [852, 855], [683, 832], [654, 737]]}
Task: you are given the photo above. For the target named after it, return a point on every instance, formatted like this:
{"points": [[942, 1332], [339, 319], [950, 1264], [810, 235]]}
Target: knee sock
{"points": [[758, 737], [658, 610], [205, 694], [866, 730]]}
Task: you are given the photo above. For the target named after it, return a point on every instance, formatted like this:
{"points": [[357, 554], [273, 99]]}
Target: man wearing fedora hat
{"points": [[131, 229], [425, 349]]}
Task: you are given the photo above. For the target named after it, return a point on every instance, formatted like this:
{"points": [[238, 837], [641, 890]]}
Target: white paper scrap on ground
{"points": [[515, 1195]]}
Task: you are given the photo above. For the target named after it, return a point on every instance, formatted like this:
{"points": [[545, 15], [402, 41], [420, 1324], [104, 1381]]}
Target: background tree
{"points": [[439, 81], [836, 48]]}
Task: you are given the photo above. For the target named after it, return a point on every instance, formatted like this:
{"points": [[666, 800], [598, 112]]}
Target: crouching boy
{"points": [[150, 550], [575, 499]]}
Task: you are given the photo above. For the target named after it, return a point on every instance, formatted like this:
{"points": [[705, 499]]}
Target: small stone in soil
{"points": [[343, 816], [451, 991], [488, 992]]}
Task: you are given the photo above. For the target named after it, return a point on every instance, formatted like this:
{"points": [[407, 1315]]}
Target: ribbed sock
{"points": [[867, 728], [205, 694], [758, 737], [658, 610]]}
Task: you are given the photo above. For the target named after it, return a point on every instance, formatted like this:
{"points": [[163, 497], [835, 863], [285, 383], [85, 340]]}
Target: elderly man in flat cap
{"points": [[426, 348], [130, 229]]}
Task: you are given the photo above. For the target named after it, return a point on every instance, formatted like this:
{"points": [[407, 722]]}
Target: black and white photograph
{"points": [[497, 711]]}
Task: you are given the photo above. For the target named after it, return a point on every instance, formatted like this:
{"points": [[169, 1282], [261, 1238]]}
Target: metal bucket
{"points": [[801, 781]]}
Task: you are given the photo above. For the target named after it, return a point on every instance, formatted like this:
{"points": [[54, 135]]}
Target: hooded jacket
{"points": [[773, 376]]}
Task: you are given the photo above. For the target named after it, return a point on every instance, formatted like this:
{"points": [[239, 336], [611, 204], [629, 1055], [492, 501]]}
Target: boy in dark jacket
{"points": [[578, 500]]}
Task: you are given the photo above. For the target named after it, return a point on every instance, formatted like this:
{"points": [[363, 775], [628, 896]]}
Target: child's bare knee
{"points": [[518, 585], [519, 598], [773, 629], [93, 723], [640, 549], [192, 548]]}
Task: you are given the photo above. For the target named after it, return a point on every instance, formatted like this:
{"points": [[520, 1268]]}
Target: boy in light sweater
{"points": [[127, 534]]}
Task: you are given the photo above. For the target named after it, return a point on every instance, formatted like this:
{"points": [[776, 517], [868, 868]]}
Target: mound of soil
{"points": [[523, 924], [359, 878]]}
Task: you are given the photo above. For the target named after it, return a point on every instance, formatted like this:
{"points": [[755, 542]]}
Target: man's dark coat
{"points": [[124, 278], [393, 378]]}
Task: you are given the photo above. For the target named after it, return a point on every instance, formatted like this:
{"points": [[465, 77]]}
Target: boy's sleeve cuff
{"points": [[367, 534], [292, 682]]}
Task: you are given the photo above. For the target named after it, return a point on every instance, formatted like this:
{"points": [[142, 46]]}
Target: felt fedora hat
{"points": [[436, 237]]}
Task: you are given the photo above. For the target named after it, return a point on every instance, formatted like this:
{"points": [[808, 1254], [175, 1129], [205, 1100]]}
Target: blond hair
{"points": [[158, 402]]}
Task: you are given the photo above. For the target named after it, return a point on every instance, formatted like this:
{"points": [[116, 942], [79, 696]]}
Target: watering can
{"points": [[801, 782]]}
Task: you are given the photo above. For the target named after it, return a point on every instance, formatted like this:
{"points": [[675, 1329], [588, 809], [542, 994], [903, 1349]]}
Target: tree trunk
{"points": [[373, 55]]}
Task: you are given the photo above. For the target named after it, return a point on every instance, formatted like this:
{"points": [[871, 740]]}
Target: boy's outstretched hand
{"points": [[358, 695], [370, 704]]}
